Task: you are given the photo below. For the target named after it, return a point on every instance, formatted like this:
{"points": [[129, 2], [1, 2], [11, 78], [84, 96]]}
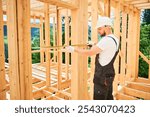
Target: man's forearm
{"points": [[83, 51], [88, 52]]}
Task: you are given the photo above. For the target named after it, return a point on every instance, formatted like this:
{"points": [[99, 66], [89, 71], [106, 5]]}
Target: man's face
{"points": [[101, 31]]}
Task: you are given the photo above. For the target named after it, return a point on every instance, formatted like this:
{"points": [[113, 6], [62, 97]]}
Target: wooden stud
{"points": [[117, 34], [67, 43], [123, 47], [2, 58], [41, 41], [34, 19], [47, 43], [137, 39], [79, 62], [24, 37], [134, 47], [100, 10], [54, 38], [129, 46], [59, 54], [13, 50], [19, 46], [107, 8], [94, 39]]}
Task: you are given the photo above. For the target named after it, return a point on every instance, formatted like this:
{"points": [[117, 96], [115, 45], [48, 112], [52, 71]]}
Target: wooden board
{"points": [[2, 59], [137, 36], [121, 96], [47, 43], [13, 50], [94, 39], [129, 45], [141, 87], [79, 62], [60, 3], [123, 47], [117, 34], [137, 93], [19, 47], [107, 8], [67, 43], [59, 43], [41, 41]]}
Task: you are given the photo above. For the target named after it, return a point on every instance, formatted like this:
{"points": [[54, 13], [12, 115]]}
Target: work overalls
{"points": [[103, 78]]}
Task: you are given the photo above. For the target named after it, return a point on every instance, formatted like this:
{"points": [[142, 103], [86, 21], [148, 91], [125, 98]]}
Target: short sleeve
{"points": [[104, 43]]}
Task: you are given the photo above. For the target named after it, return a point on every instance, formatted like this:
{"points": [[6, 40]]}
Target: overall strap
{"points": [[114, 40]]}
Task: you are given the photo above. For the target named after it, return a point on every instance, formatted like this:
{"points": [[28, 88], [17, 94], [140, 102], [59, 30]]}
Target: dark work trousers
{"points": [[104, 91], [103, 78]]}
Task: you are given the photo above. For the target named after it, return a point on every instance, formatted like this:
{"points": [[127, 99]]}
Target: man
{"points": [[106, 51]]}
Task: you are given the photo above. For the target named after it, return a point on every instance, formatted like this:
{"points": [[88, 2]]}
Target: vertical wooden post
{"points": [[47, 43], [59, 43], [100, 9], [137, 43], [107, 8], [123, 47], [117, 34], [67, 43], [41, 40], [54, 38], [79, 62], [129, 45], [13, 49], [2, 58], [18, 13], [94, 39]]}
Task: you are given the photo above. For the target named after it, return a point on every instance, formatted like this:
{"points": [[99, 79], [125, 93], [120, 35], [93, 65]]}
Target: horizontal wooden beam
{"points": [[60, 4], [32, 25], [143, 80], [132, 0], [121, 96], [137, 93], [138, 2], [142, 5], [145, 7], [140, 87], [35, 25], [32, 16]]}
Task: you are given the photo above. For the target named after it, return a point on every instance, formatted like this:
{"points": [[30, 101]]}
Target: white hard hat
{"points": [[103, 21]]}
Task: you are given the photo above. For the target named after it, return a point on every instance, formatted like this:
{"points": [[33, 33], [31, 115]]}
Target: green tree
{"points": [[144, 43], [145, 49], [146, 16]]}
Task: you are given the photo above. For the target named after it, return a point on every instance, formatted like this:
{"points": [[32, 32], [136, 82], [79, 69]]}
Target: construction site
{"points": [[61, 75]]}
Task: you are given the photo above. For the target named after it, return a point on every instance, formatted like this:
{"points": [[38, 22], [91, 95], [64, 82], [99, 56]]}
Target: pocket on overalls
{"points": [[108, 80]]}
